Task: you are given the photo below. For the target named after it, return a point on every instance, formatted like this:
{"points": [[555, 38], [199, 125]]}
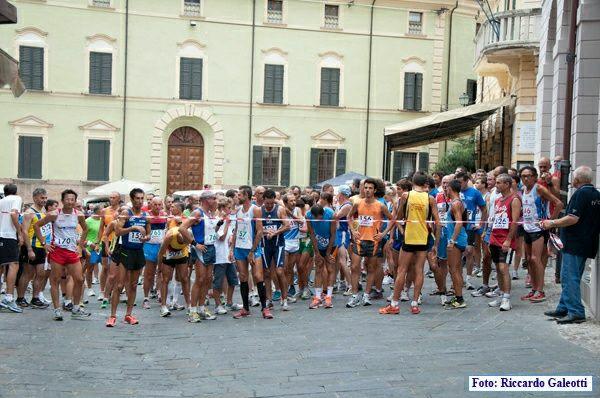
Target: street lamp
{"points": [[463, 99]]}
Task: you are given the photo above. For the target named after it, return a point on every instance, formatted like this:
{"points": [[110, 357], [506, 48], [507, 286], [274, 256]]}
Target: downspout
{"points": [[125, 90], [449, 54], [251, 110], [369, 87], [480, 127], [565, 167]]}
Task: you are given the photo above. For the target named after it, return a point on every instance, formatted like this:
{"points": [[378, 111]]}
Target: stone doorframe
{"points": [[160, 131]]}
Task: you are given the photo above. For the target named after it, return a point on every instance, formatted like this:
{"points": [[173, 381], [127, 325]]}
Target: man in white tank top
{"points": [[62, 251]]}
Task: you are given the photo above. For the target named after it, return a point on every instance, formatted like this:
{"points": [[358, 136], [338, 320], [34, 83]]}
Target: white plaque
{"points": [[527, 137]]}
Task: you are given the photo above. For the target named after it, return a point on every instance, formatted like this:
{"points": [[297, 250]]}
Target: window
{"points": [[271, 165], [190, 78], [330, 87], [325, 164], [31, 67], [192, 8], [98, 160], [415, 23], [413, 90], [101, 3], [332, 16], [30, 157], [270, 169], [273, 92], [275, 11], [472, 91], [404, 164], [100, 73]]}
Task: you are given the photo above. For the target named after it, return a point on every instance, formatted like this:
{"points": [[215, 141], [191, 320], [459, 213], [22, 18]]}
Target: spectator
{"points": [[579, 234]]}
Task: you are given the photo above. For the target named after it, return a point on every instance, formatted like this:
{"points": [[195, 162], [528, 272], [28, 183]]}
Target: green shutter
{"points": [[257, 164], [278, 84], [94, 87], [98, 160], [268, 96], [106, 74], [25, 65], [185, 78], [314, 163], [409, 91], [340, 162], [418, 90], [325, 86], [31, 67], [30, 157], [334, 84], [196, 79], [285, 166], [424, 161], [397, 170]]}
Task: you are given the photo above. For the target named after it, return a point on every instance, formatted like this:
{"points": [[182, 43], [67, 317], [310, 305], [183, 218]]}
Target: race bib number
{"points": [[322, 241], [66, 243], [470, 215], [210, 239], [157, 235], [46, 230], [243, 237], [271, 228], [134, 237], [501, 221], [174, 254], [365, 221]]}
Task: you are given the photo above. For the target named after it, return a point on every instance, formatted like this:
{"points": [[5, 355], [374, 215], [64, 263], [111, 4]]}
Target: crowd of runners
{"points": [[281, 247]]}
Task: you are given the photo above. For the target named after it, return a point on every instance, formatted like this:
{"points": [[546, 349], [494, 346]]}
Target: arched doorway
{"points": [[185, 160]]}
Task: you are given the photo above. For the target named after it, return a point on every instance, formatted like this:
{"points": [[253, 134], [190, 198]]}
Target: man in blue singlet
{"points": [[321, 229]]}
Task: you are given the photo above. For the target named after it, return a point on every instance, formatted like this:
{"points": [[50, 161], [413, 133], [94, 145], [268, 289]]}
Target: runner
{"points": [[342, 237], [415, 208], [33, 252], [62, 251], [507, 210], [535, 209], [157, 218], [367, 239], [275, 224], [10, 238], [306, 248], [134, 230], [247, 251], [112, 246], [292, 242], [321, 229], [108, 215], [92, 249], [440, 271]]}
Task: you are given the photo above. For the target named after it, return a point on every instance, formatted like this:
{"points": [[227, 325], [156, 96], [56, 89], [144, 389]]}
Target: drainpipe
{"points": [[369, 88], [449, 53], [480, 127], [565, 166], [251, 110], [125, 90]]}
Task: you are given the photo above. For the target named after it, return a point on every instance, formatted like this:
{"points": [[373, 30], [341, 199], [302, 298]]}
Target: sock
{"points": [[506, 295], [244, 293], [202, 308], [394, 303], [318, 291], [9, 297], [413, 303], [193, 309], [146, 298], [329, 291], [67, 302], [262, 294], [76, 308]]}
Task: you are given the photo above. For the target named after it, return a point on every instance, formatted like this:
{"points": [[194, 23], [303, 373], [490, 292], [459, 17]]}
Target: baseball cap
{"points": [[345, 190]]}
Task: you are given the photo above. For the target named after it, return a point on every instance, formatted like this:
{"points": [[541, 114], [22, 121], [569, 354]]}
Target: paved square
{"points": [[312, 353]]}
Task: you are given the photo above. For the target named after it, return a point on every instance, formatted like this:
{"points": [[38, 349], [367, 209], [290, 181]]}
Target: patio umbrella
{"points": [[123, 187], [342, 179]]}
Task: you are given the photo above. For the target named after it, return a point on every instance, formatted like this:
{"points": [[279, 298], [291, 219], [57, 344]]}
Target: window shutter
{"points": [[25, 65], [285, 166], [278, 84], [334, 84], [30, 157], [257, 164], [325, 86], [418, 90], [98, 160], [314, 162], [340, 162], [106, 74], [37, 61], [268, 97], [185, 75], [196, 79], [409, 91], [397, 170], [424, 161]]}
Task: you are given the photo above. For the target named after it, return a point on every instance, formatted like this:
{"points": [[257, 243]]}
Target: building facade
{"points": [[181, 93]]}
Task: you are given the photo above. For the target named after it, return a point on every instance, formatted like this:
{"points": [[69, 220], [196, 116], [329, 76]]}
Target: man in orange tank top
{"points": [[107, 216], [366, 239]]}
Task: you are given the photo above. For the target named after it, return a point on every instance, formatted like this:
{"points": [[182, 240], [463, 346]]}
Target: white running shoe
{"points": [[443, 299], [285, 306], [493, 293], [233, 307], [505, 305], [292, 300], [495, 303], [43, 299], [387, 280], [101, 297], [220, 310], [514, 274], [95, 281], [164, 311], [404, 296], [91, 293], [366, 300], [254, 301]]}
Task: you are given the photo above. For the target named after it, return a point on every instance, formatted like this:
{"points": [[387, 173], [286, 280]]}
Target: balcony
{"points": [[332, 22], [275, 16], [516, 33]]}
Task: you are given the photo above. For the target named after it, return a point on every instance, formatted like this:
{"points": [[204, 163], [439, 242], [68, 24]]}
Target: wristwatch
{"points": [[451, 241]]}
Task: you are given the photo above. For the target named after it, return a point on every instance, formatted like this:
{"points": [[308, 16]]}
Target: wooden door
{"points": [[185, 160]]}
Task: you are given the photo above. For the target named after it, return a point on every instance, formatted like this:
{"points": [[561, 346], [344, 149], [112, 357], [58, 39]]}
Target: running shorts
{"points": [[115, 256], [242, 254], [40, 256], [531, 237], [224, 270], [209, 257], [471, 237], [414, 248], [306, 246], [273, 254], [133, 259], [292, 246], [500, 256], [151, 252], [94, 258], [368, 248], [62, 256], [323, 252], [442, 250], [430, 242], [9, 251], [173, 262]]}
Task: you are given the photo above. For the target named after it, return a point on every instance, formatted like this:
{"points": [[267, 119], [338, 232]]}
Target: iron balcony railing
{"points": [[275, 16]]}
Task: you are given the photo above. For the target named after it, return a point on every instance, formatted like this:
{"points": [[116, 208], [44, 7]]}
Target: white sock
{"points": [[9, 297], [506, 295], [76, 308], [318, 291], [67, 302], [394, 303], [193, 309], [329, 291], [413, 303]]}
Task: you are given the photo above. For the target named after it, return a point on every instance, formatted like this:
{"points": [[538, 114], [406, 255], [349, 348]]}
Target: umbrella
{"points": [[342, 179], [123, 187]]}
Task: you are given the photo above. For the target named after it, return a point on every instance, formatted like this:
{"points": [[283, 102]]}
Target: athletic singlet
{"points": [[461, 239], [472, 199], [417, 210], [210, 226], [133, 240], [491, 205], [269, 224], [109, 216], [246, 228], [64, 231], [322, 228], [199, 229], [502, 220], [46, 228], [343, 227], [442, 203], [176, 250], [158, 224], [292, 234], [369, 219], [534, 209]]}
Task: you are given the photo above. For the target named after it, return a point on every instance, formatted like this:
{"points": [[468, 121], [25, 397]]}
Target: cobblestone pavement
{"points": [[315, 353]]}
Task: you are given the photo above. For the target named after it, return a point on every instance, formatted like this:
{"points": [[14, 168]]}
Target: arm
{"points": [[259, 230], [547, 195], [37, 227], [14, 217], [120, 229], [102, 225], [163, 248], [286, 223], [105, 240], [390, 225], [484, 213], [313, 238], [27, 217], [437, 223], [515, 208], [332, 228], [457, 211], [562, 222]]}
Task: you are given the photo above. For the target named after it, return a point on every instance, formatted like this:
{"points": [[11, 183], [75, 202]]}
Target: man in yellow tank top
{"points": [[366, 239], [173, 256], [415, 208]]}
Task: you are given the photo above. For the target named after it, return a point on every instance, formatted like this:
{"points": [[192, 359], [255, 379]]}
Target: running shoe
{"points": [[104, 304], [130, 319], [146, 304], [206, 315], [443, 299], [254, 301], [57, 314], [164, 311], [514, 274], [292, 291], [291, 299], [376, 295], [277, 295], [111, 321], [233, 307], [366, 301], [285, 306], [266, 313], [85, 301], [469, 285], [220, 310], [177, 307], [479, 274], [528, 296], [404, 296], [493, 293], [429, 274], [538, 297], [269, 303], [455, 304], [141, 280], [305, 294], [343, 286], [242, 313], [495, 303], [101, 297], [348, 292], [353, 302], [481, 291], [37, 303], [194, 317], [11, 306], [43, 299], [91, 293], [80, 313], [95, 281], [390, 297], [414, 307], [505, 305], [476, 270], [316, 301], [22, 302], [389, 310], [328, 302], [388, 280]]}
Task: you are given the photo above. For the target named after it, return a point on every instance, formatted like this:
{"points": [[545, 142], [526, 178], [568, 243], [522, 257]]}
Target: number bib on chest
{"points": [[66, 243], [46, 229], [501, 221], [365, 221], [170, 255], [243, 240], [156, 236], [322, 241], [134, 237]]}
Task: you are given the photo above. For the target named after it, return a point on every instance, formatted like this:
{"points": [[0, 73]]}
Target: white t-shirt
{"points": [[9, 204], [222, 246]]}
